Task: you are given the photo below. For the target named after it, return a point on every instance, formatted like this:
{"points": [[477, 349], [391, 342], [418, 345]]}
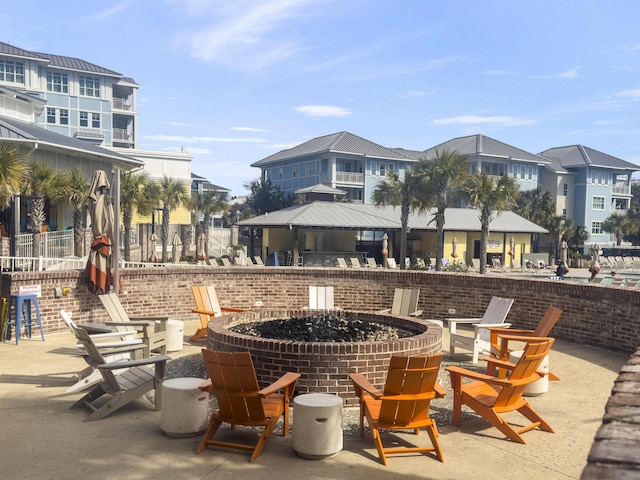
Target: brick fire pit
{"points": [[324, 366]]}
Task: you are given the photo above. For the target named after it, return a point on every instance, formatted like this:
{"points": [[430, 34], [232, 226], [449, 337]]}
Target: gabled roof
{"points": [[487, 146], [342, 142], [320, 188], [207, 185], [581, 156], [28, 133], [58, 61], [358, 216]]}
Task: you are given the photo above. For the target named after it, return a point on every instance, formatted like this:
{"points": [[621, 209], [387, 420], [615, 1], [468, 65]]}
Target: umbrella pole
{"points": [[115, 252]]}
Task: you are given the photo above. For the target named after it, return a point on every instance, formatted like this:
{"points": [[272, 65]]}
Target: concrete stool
{"points": [[539, 386], [317, 425], [175, 335], [18, 301], [184, 407]]}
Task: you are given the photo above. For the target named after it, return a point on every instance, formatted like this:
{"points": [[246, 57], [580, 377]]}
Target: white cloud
{"points": [[323, 111], [569, 74], [502, 121], [249, 129], [248, 35], [633, 93], [183, 139], [415, 93], [109, 12], [175, 124]]}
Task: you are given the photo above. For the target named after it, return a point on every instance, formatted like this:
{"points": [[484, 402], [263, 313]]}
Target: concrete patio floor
{"points": [[42, 438]]}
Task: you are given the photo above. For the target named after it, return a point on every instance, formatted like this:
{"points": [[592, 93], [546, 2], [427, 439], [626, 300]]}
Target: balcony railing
{"points": [[349, 177], [122, 104], [621, 189], [122, 134]]}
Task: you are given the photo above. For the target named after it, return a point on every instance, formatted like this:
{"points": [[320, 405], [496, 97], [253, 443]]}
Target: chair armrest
{"points": [[130, 324], [440, 391], [125, 348], [135, 363], [361, 385], [490, 325], [205, 386], [463, 320], [285, 381], [417, 313], [103, 346], [104, 336], [149, 319], [232, 309], [382, 312], [462, 372], [204, 312]]}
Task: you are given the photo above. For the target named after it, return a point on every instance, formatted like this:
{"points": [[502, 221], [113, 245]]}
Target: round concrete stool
{"points": [[539, 386], [317, 425], [175, 335], [184, 407]]}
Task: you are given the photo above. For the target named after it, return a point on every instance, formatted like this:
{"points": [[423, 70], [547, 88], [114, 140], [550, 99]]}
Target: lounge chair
{"points": [[371, 262], [391, 262], [258, 261], [341, 262], [355, 262], [491, 397], [207, 307], [403, 404], [136, 378], [405, 302], [232, 379], [494, 316]]}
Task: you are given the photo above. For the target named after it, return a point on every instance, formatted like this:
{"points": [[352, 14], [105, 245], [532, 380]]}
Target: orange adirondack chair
{"points": [[208, 307], [490, 396], [232, 379], [500, 337], [403, 404]]}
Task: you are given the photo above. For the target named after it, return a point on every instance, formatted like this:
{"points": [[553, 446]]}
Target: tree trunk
{"points": [[78, 233], [165, 234], [439, 240]]}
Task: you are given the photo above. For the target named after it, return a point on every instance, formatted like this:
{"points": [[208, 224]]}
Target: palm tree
{"points": [[537, 206], [172, 195], [135, 197], [73, 190], [12, 172], [559, 228], [491, 197], [445, 173], [208, 204], [41, 182], [404, 192], [616, 224], [580, 236]]}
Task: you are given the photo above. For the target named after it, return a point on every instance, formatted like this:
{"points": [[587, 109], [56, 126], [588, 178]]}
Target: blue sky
{"points": [[233, 81]]}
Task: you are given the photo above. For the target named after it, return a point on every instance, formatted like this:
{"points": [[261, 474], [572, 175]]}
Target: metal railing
{"points": [[122, 134], [52, 244], [40, 264], [122, 104]]}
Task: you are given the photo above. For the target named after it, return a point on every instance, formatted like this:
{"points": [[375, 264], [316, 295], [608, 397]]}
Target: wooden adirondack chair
{"points": [[208, 307], [403, 404], [136, 378], [232, 379], [405, 302], [500, 337], [494, 316], [321, 298], [105, 342], [491, 397], [152, 330]]}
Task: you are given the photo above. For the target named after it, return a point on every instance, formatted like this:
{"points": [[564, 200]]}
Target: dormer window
{"points": [[11, 72]]}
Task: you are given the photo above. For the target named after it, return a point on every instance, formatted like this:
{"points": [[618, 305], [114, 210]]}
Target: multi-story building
{"points": [[586, 185]]}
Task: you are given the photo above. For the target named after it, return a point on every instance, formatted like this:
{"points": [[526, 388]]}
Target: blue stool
{"points": [[18, 301]]}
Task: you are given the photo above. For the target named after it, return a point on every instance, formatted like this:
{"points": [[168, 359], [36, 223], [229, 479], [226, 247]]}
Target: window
{"points": [[95, 120], [57, 82], [11, 71], [565, 189], [64, 116], [84, 119], [383, 168], [564, 213], [596, 228], [598, 203], [51, 115], [90, 86], [60, 116]]}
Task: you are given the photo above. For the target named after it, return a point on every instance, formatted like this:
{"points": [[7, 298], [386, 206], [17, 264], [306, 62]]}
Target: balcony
{"points": [[621, 189], [122, 135], [349, 177], [122, 104]]}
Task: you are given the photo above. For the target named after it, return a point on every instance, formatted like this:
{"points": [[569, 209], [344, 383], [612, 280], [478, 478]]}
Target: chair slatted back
{"points": [[547, 322], [405, 301], [321, 298], [116, 311], [496, 313], [206, 299], [415, 376], [97, 359], [525, 370], [372, 262], [234, 383]]}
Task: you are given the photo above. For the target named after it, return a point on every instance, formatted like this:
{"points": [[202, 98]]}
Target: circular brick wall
{"points": [[324, 366]]}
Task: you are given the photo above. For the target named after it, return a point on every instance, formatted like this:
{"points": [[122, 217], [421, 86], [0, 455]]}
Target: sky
{"points": [[234, 81]]}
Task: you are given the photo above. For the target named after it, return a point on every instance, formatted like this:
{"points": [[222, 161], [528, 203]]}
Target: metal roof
{"points": [[483, 145], [342, 142], [320, 188], [358, 216], [23, 132], [581, 156]]}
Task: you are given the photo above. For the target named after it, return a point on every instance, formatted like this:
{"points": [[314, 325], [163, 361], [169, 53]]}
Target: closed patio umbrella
{"points": [[175, 250], [153, 247], [454, 248], [98, 271], [512, 250], [563, 252], [201, 250]]}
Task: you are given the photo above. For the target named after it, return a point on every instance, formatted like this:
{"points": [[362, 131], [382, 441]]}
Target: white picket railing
{"points": [[52, 244]]}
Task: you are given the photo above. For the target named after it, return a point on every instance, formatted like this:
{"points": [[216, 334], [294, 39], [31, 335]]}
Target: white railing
{"points": [[219, 242], [122, 134], [40, 264], [121, 104], [52, 244]]}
